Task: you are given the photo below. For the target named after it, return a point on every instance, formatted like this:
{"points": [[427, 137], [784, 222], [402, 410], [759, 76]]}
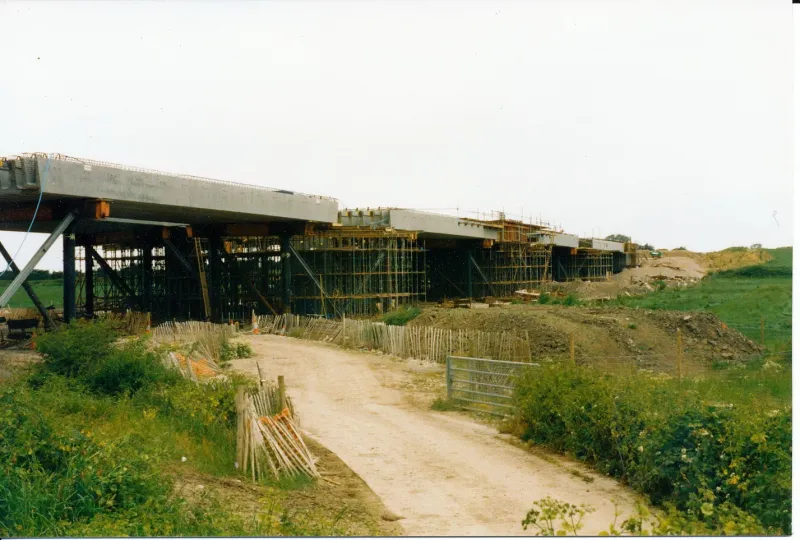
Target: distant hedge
{"points": [[756, 271]]}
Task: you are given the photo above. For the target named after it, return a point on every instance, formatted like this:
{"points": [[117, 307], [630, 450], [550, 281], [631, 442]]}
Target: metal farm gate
{"points": [[481, 384]]}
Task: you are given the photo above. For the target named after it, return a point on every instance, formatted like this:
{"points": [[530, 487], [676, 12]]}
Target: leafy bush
{"points": [[544, 298], [666, 442], [86, 352], [571, 300], [756, 271], [231, 351], [72, 349], [127, 369], [401, 316]]}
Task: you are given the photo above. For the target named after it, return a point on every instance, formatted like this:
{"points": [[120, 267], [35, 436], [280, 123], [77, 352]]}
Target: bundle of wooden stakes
{"points": [[196, 370], [268, 440]]}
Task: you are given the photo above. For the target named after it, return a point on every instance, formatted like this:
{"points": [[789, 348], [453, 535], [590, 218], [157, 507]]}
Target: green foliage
{"points": [[669, 440], [401, 316], [84, 351], [440, 404], [756, 271], [548, 511], [618, 238], [660, 284], [230, 351], [544, 298], [632, 326], [127, 369], [74, 349], [571, 300]]}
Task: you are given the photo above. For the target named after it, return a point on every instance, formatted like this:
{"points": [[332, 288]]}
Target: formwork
{"points": [[361, 271]]}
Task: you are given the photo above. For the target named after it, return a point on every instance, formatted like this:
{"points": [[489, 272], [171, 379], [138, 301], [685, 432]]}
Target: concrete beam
{"points": [[156, 196]]}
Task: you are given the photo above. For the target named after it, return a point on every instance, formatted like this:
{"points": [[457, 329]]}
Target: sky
{"points": [[670, 122]]}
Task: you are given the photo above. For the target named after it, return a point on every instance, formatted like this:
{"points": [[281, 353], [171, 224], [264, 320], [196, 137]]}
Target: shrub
{"points": [[665, 441], [72, 349], [440, 404], [401, 316], [543, 298], [756, 271], [571, 300], [126, 370], [231, 351]]}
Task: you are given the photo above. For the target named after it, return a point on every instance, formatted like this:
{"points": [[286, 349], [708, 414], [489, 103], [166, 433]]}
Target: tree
{"points": [[618, 238]]}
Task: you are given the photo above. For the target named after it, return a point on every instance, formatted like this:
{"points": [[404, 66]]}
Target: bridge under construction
{"points": [[186, 247]]}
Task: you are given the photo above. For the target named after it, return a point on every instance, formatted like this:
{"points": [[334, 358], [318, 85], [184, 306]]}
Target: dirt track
{"points": [[444, 473]]}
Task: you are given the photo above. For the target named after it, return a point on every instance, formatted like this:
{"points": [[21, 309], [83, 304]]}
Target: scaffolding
{"points": [[357, 271], [509, 267], [590, 265]]}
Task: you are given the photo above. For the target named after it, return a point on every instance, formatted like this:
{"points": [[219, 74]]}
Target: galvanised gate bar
{"points": [[186, 247]]}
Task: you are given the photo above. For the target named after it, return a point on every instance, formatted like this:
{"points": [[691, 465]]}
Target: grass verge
{"points": [[93, 439], [715, 451]]}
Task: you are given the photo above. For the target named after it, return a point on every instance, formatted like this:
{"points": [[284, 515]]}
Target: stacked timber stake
{"points": [[269, 443]]}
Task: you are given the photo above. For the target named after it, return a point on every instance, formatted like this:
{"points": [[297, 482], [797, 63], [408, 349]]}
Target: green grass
{"points": [[49, 291], [741, 298], [401, 316], [91, 441]]}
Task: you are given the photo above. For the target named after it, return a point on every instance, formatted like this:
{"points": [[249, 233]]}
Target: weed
{"points": [[544, 298], [401, 316], [571, 300], [440, 404], [632, 326], [546, 513]]}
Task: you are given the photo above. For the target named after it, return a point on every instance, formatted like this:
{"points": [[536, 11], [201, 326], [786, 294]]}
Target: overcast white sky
{"points": [[670, 122]]}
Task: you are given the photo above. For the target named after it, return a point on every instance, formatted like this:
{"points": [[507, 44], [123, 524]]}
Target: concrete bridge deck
{"points": [[140, 194]]}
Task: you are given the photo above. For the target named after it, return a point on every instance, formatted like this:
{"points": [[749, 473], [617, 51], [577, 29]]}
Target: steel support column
{"points": [[215, 287], [88, 279], [286, 244], [70, 311], [469, 274], [147, 278]]}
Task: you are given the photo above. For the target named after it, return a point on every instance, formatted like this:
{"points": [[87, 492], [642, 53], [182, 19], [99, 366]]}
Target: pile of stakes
{"points": [[269, 442]]}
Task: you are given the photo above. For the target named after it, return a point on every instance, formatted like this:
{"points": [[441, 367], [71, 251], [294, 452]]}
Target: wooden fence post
{"points": [[680, 355], [448, 378], [281, 393]]}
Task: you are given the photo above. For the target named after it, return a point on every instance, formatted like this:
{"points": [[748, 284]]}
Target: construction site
{"points": [[182, 247]]}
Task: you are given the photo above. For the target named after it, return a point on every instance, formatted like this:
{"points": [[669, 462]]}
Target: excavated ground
{"points": [[643, 338]]}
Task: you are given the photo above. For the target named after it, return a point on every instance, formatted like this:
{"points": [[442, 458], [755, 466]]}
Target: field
{"points": [[741, 298], [49, 291]]}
